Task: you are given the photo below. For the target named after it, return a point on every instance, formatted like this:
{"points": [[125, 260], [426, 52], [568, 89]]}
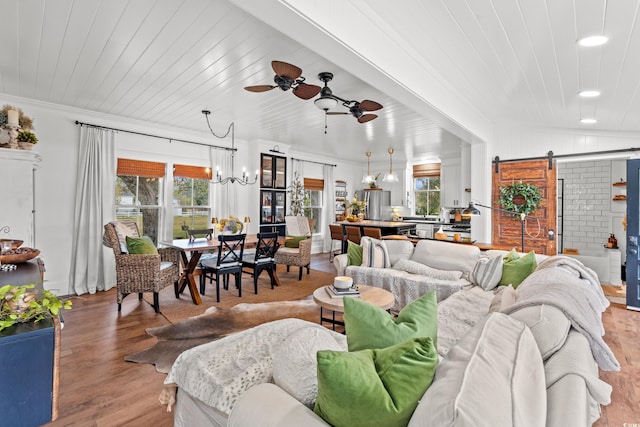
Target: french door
{"points": [[633, 234]]}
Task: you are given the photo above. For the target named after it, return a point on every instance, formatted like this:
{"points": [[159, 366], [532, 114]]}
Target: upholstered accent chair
{"points": [[139, 273], [300, 256]]}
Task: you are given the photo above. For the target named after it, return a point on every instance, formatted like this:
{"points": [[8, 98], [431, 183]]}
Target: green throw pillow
{"points": [[515, 270], [369, 326], [294, 241], [374, 387], [141, 246], [354, 253]]}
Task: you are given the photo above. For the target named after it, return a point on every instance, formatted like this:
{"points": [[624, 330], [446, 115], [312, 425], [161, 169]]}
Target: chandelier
{"points": [[218, 179]]}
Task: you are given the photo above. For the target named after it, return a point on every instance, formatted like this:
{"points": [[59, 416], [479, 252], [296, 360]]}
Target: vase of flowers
{"points": [[231, 225]]}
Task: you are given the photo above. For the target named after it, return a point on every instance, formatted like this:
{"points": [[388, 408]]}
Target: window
{"points": [[313, 202], [426, 188], [191, 208], [138, 189]]}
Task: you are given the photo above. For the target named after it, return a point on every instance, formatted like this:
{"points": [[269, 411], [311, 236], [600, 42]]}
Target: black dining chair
{"points": [[262, 259], [228, 261]]}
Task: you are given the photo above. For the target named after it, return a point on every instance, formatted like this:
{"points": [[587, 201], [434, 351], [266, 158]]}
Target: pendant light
{"points": [[390, 176], [368, 179]]}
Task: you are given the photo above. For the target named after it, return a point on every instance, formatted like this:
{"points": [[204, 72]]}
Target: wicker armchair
{"points": [[140, 273], [300, 256]]}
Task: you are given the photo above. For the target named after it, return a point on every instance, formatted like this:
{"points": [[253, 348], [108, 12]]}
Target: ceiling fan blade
{"points": [[335, 113], [367, 105], [305, 91], [260, 88], [366, 118], [286, 70]]}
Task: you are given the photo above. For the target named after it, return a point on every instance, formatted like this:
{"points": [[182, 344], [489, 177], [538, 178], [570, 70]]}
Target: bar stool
{"points": [[372, 232], [353, 233], [336, 234]]}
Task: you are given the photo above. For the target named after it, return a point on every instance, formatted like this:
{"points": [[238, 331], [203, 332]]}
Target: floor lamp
{"points": [[472, 211]]}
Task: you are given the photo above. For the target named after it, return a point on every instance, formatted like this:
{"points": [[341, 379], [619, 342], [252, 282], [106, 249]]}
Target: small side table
{"points": [[371, 294]]}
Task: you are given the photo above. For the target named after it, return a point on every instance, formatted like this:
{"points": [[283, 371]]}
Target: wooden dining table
{"points": [[190, 253]]}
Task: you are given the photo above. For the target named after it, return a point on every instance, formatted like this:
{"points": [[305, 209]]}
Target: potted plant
{"points": [[26, 139], [23, 304], [296, 195]]}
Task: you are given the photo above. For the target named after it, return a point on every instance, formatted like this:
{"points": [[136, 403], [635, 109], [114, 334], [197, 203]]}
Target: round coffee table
{"points": [[371, 294]]}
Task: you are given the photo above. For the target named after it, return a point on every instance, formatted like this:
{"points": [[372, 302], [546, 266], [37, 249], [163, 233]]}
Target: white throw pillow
{"points": [[417, 268], [374, 253], [487, 272], [549, 325], [295, 366], [497, 358]]}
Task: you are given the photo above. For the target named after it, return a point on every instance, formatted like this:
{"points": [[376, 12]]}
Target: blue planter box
{"points": [[26, 382]]}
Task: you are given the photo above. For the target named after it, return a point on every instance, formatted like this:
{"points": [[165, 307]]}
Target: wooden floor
{"points": [[98, 388]]}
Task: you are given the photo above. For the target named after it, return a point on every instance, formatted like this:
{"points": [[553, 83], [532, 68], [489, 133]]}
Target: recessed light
{"points": [[590, 93], [588, 121], [593, 41]]}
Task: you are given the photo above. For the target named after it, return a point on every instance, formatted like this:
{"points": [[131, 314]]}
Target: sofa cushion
{"points": [[374, 253], [548, 324], [369, 326], [294, 362], [354, 253], [487, 272], [494, 376], [424, 270], [398, 249], [374, 387], [141, 246], [446, 255], [516, 268]]}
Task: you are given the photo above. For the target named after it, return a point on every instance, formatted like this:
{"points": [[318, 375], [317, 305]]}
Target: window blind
{"points": [[144, 168], [196, 172], [313, 184], [428, 170]]}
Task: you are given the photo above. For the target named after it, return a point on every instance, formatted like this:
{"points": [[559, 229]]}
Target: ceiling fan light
{"points": [[325, 103]]}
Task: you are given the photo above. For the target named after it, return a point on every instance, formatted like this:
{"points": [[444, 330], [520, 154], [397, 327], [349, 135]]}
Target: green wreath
{"points": [[530, 193]]}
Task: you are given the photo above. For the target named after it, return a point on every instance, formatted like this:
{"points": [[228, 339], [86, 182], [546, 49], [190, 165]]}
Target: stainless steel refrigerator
{"points": [[378, 204]]}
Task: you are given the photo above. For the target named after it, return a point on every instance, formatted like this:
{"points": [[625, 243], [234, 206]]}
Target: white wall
{"points": [[55, 180]]}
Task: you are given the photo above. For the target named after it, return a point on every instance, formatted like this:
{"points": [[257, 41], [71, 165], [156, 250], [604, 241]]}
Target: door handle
{"points": [[632, 251]]}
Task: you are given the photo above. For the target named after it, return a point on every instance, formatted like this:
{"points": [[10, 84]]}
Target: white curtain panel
{"points": [[328, 215], [92, 264]]}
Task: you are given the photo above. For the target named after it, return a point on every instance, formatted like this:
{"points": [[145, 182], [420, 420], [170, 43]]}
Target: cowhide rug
{"points": [[214, 324]]}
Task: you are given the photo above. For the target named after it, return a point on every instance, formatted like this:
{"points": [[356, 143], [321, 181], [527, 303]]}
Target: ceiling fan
{"points": [[288, 77], [357, 109]]}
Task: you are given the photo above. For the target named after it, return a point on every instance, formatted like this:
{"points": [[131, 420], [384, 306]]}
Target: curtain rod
{"points": [[155, 136], [311, 161]]}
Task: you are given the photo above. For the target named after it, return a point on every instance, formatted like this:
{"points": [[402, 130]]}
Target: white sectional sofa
{"points": [[534, 363]]}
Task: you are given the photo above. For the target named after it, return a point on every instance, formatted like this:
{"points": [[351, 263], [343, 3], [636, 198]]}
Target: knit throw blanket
{"points": [[570, 287]]}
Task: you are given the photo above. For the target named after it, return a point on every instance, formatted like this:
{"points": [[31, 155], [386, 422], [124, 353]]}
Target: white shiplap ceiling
{"points": [[433, 64]]}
